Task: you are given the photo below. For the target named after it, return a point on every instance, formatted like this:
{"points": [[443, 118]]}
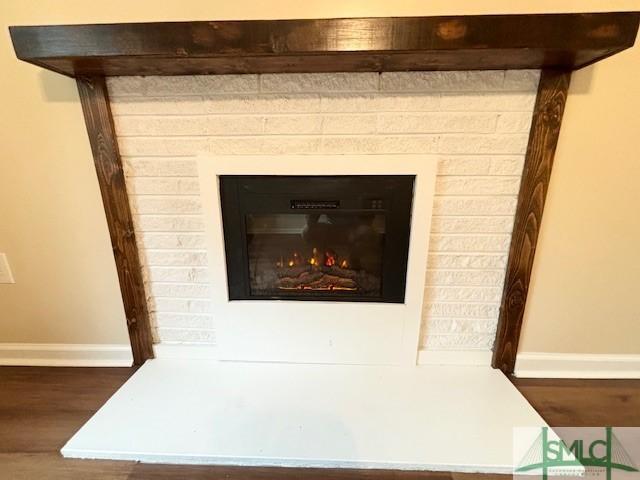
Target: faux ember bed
{"points": [[316, 253]]}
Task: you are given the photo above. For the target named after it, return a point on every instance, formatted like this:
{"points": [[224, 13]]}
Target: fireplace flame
{"points": [[317, 272], [329, 258]]}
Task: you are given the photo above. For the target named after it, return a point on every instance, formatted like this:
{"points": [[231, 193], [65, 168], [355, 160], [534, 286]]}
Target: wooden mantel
{"points": [[566, 41], [555, 43]]}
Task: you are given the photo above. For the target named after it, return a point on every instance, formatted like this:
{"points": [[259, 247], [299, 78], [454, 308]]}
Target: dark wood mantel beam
{"points": [[474, 42]]}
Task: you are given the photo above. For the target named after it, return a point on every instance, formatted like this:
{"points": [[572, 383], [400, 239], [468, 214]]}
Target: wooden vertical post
{"points": [[97, 114], [543, 139]]}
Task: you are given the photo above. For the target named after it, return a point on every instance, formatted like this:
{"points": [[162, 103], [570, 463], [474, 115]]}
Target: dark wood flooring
{"points": [[41, 408]]}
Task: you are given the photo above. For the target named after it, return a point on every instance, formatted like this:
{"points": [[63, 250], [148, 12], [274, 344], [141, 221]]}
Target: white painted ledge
{"points": [[441, 418], [65, 355], [185, 351], [455, 357], [576, 365], [195, 351]]}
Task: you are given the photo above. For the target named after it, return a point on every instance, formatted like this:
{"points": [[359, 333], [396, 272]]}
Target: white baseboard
{"points": [[455, 357], [576, 365], [65, 355]]}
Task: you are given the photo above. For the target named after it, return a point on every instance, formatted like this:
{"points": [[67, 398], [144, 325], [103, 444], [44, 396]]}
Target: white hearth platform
{"points": [[453, 418]]}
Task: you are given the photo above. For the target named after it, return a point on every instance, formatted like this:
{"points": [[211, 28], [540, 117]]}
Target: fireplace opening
{"points": [[337, 238], [318, 252]]}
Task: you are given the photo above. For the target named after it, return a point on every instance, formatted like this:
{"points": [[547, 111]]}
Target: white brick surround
{"points": [[476, 122]]}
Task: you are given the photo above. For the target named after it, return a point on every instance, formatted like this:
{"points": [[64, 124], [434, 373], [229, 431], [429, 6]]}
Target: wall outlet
{"points": [[5, 271]]}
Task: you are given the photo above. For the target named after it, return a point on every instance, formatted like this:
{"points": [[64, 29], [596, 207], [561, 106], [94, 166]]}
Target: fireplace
{"points": [[317, 258], [372, 103], [293, 201], [315, 237]]}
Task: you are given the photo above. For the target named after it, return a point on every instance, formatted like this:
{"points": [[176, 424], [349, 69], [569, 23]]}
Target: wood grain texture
{"points": [[40, 408], [543, 139], [102, 136], [567, 41], [583, 403]]}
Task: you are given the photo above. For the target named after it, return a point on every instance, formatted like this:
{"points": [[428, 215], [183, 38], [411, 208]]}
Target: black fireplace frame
{"points": [[392, 195]]}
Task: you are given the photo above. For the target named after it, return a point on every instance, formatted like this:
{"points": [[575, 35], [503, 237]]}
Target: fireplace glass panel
{"points": [[339, 238], [335, 253]]}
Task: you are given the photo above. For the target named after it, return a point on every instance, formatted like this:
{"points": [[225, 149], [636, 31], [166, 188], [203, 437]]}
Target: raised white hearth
{"points": [[448, 418]]}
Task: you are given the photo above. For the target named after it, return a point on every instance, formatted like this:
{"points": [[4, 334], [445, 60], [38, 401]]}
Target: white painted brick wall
{"points": [[476, 122]]}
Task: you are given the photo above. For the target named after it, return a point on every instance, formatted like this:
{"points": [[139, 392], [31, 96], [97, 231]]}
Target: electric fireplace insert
{"points": [[329, 238]]}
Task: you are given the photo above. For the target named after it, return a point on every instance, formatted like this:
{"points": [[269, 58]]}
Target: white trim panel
{"points": [[319, 332], [576, 365], [65, 355]]}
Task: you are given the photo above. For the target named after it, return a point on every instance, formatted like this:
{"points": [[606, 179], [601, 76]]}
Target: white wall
{"points": [[477, 122]]}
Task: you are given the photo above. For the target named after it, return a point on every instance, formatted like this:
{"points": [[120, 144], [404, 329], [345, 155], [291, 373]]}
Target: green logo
{"points": [[553, 453]]}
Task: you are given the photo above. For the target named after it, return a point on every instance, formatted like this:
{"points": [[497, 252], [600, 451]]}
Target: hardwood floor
{"points": [[584, 403], [41, 408]]}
